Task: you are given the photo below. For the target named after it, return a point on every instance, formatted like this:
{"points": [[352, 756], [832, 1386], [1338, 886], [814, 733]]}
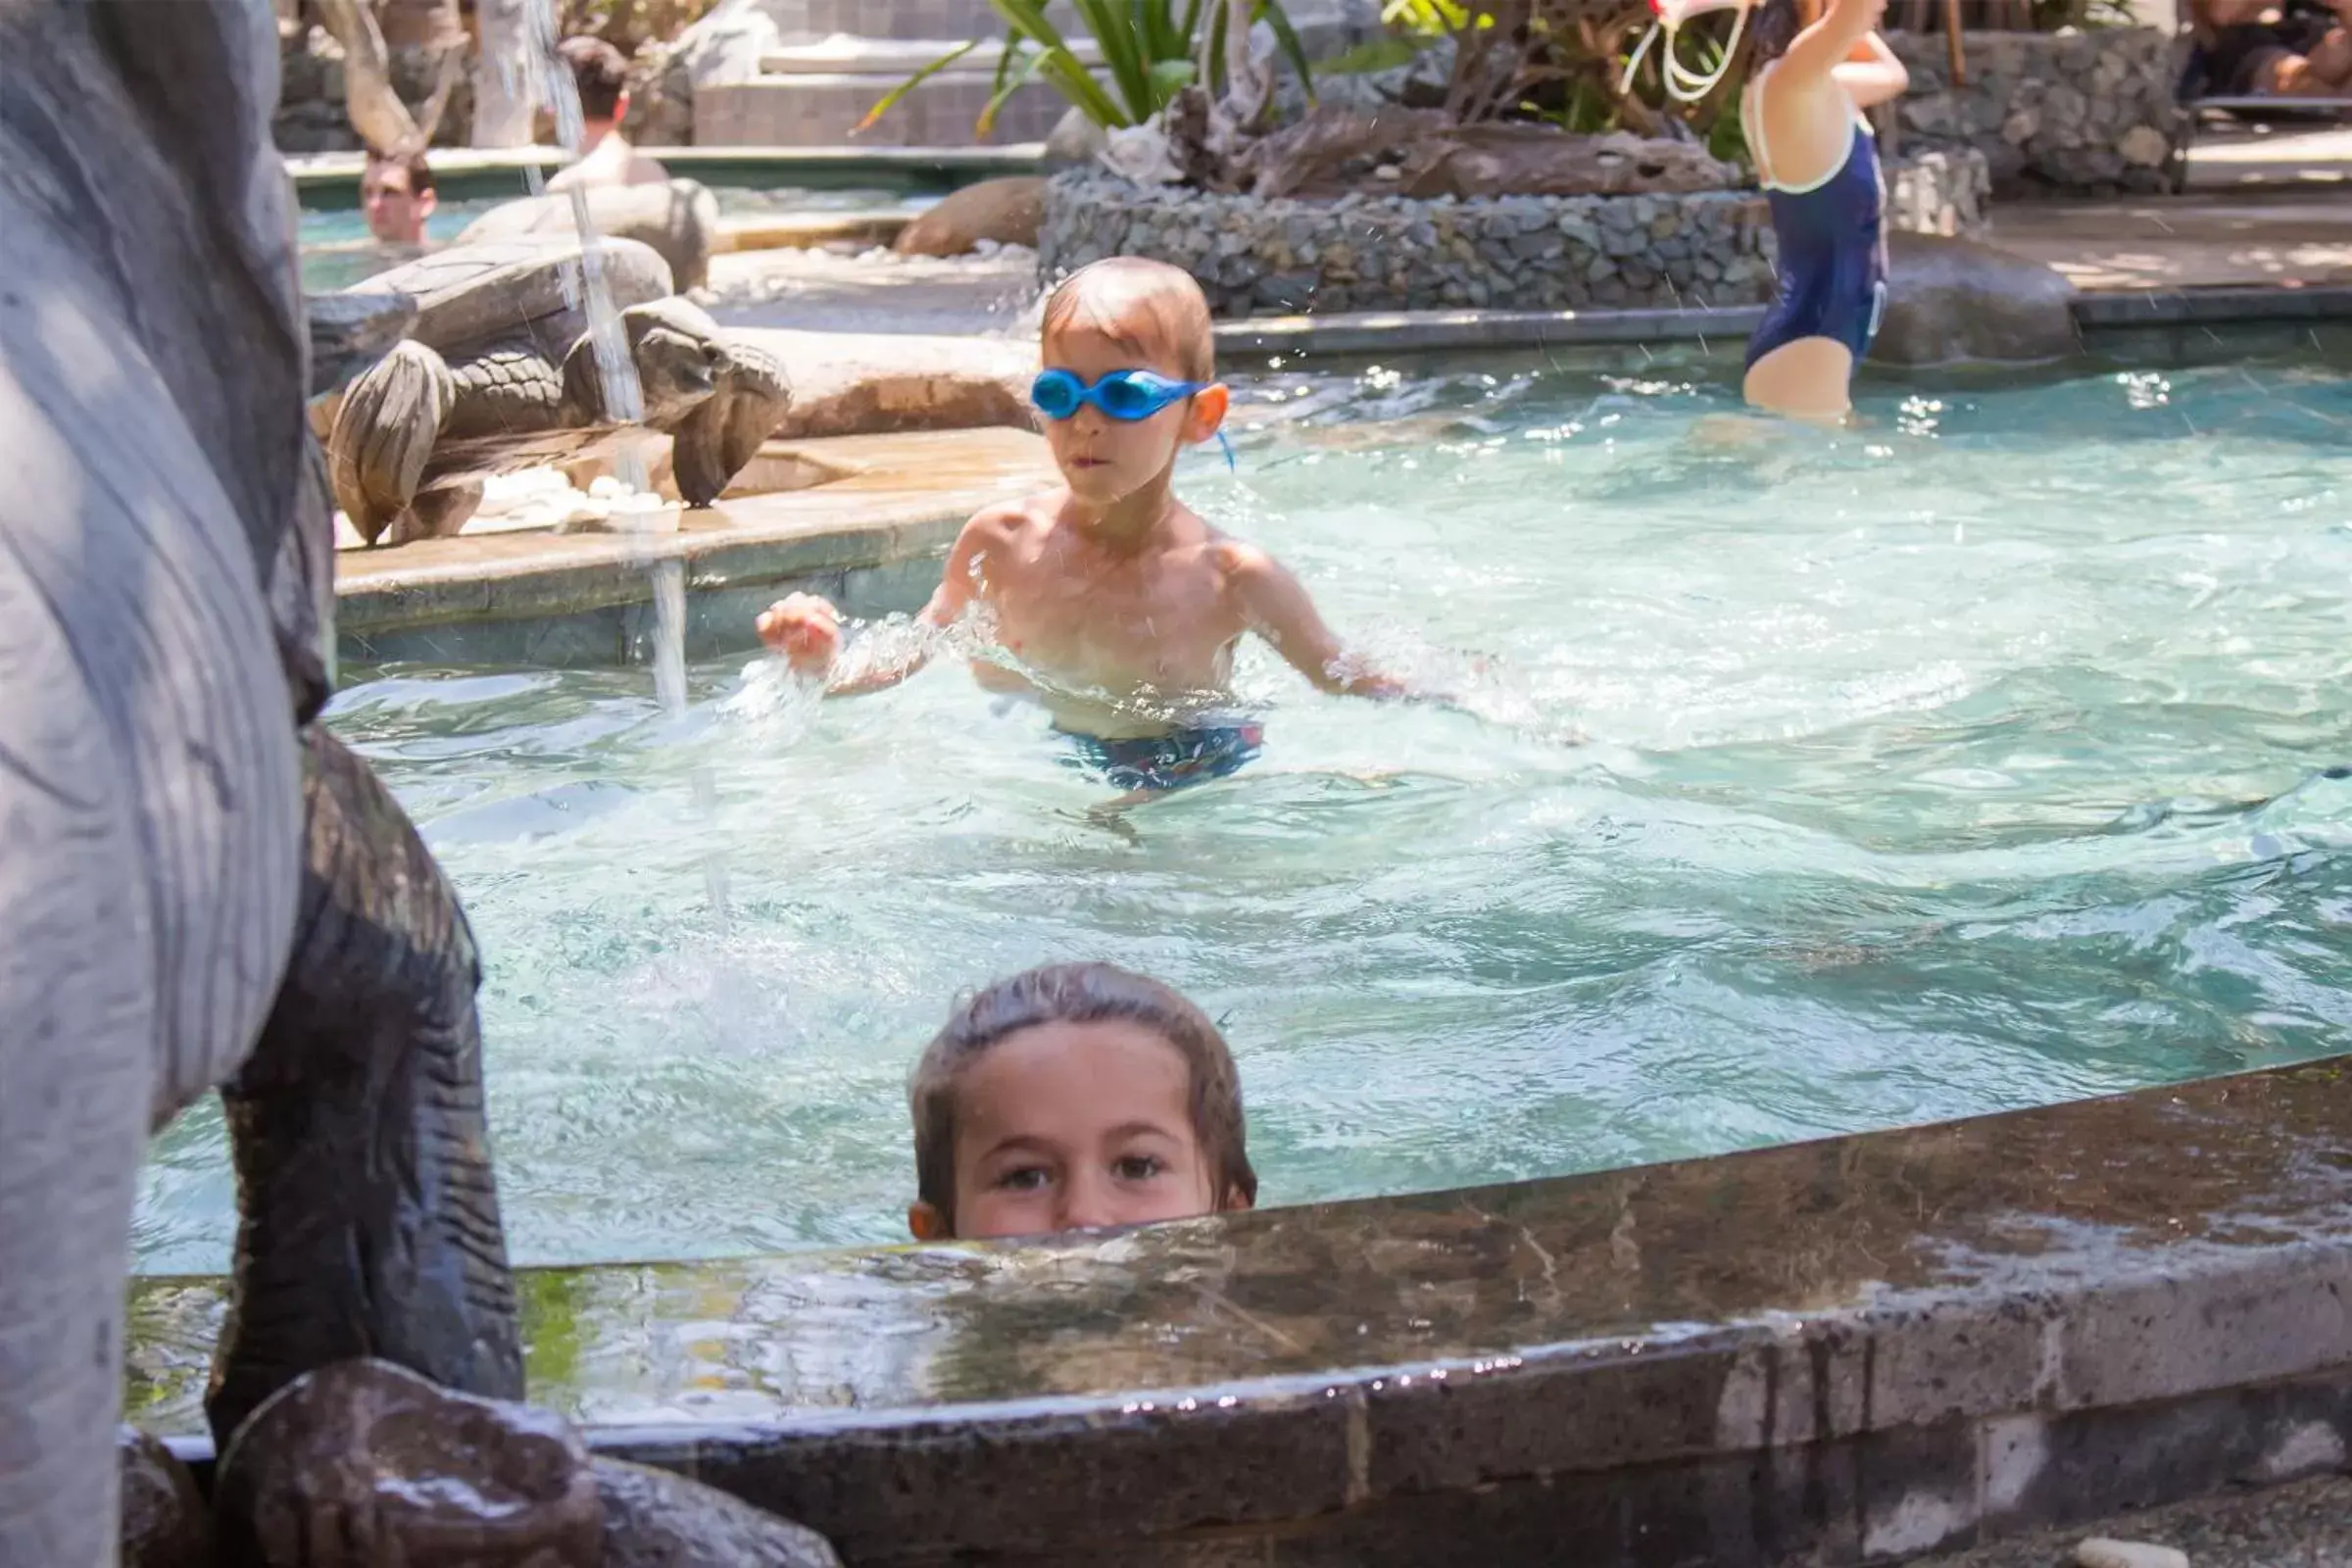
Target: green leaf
{"points": [[1380, 54], [890, 99], [1170, 77], [1286, 38], [1122, 52], [1157, 28], [1078, 84], [1031, 62], [1060, 67]]}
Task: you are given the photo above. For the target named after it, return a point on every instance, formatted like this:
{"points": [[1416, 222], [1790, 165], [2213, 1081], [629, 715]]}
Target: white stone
{"points": [[2098, 1552], [2143, 145]]}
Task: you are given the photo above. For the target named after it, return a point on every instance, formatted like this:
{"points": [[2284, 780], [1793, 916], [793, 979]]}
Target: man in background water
{"points": [[396, 193], [607, 157]]}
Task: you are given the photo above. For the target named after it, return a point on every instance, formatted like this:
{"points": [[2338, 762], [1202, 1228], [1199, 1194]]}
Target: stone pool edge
{"points": [[1439, 331], [865, 538], [1935, 1335]]}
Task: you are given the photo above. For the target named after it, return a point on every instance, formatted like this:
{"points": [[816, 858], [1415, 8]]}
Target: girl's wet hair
{"points": [[1150, 308], [1771, 29], [1079, 992]]}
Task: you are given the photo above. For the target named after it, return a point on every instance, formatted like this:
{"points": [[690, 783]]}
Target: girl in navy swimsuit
{"points": [[1820, 167]]}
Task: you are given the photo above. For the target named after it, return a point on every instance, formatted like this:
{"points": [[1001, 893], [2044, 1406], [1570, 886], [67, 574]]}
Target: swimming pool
{"points": [[337, 251], [1969, 761]]}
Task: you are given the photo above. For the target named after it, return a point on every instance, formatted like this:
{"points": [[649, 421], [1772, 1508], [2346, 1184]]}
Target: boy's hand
{"points": [[805, 629]]}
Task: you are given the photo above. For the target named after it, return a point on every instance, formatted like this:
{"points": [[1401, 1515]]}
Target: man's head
{"points": [[1127, 313], [603, 77], [1072, 1096], [396, 193]]}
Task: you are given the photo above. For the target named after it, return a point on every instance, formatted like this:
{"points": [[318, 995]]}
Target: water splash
{"points": [[624, 404]]}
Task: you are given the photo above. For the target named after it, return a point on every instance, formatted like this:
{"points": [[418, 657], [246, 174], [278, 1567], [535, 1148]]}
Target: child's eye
{"points": [[1022, 1179], [1136, 1167]]}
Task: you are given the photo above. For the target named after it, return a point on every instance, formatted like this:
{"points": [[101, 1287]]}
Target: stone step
{"points": [[895, 58], [825, 110], [806, 19]]}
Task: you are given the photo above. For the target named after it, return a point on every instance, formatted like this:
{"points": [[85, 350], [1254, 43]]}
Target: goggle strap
{"points": [[1226, 441]]}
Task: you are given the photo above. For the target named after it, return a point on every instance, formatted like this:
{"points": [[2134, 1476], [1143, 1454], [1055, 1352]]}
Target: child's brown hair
{"points": [[1146, 306], [1079, 992]]}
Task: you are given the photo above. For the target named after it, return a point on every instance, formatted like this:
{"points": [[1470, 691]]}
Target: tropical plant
{"points": [[1150, 51]]}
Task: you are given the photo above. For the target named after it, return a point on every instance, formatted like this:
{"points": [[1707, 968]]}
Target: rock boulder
{"points": [[678, 221], [1006, 212], [653, 1519], [164, 1520], [1952, 302], [846, 383]]}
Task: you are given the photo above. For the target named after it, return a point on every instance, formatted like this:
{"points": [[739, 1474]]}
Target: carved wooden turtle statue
{"points": [[500, 373]]}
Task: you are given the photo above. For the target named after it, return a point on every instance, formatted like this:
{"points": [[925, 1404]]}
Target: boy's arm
{"points": [[887, 668], [1871, 75], [1278, 609]]}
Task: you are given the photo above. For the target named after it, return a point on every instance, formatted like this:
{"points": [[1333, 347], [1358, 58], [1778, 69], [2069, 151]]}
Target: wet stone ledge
{"points": [[2062, 113], [1849, 1351], [1286, 256]]}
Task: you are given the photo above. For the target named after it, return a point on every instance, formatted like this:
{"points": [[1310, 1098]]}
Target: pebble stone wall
{"points": [[1534, 253], [2067, 113]]}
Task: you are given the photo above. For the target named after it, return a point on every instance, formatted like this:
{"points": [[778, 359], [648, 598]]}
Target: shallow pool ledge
{"points": [[1854, 1349], [867, 528]]}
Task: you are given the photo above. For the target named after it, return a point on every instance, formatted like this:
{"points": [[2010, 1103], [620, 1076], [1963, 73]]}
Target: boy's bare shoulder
{"points": [[1242, 563], [1003, 519], [998, 523]]}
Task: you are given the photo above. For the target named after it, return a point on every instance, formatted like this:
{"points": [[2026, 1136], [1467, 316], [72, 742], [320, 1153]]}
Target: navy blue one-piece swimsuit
{"points": [[1833, 248]]}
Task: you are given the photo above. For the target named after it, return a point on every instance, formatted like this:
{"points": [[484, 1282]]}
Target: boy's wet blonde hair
{"points": [[1079, 992], [1149, 308]]}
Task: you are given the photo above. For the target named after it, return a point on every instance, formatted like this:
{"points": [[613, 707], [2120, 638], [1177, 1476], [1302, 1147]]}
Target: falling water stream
{"points": [[624, 404]]}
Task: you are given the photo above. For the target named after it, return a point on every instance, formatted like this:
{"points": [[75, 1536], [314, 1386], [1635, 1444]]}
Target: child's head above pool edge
{"points": [[1129, 313], [1072, 1096]]}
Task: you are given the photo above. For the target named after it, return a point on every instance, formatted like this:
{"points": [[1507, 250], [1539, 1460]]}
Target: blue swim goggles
{"points": [[1127, 396]]}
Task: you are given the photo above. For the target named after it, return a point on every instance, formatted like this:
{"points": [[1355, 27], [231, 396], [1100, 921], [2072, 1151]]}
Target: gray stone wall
{"points": [[2052, 112], [1528, 253]]}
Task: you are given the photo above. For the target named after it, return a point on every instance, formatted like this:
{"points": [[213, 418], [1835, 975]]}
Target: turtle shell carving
{"points": [[499, 373]]}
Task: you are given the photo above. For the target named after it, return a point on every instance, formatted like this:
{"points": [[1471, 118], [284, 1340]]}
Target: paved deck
{"points": [[2273, 235]]}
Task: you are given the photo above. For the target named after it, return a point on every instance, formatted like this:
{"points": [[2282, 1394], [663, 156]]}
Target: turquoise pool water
{"points": [[338, 251], [1968, 760]]}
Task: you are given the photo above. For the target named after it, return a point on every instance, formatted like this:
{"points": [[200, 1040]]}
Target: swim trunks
{"points": [[1170, 762], [1831, 271]]}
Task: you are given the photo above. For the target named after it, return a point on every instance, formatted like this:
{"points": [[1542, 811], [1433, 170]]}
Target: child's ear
{"points": [[1236, 1200], [1211, 405], [928, 1224]]}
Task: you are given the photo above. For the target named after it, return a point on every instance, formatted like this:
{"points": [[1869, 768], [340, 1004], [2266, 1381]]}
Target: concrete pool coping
{"points": [[457, 169], [1433, 331], [1862, 1348]]}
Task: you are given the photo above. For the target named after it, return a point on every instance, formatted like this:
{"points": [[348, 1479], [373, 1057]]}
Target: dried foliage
{"points": [[1422, 153], [629, 25]]}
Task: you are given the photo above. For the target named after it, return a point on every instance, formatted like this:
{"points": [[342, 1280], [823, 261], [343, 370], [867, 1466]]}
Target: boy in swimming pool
{"points": [[1073, 1096], [1121, 607]]}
